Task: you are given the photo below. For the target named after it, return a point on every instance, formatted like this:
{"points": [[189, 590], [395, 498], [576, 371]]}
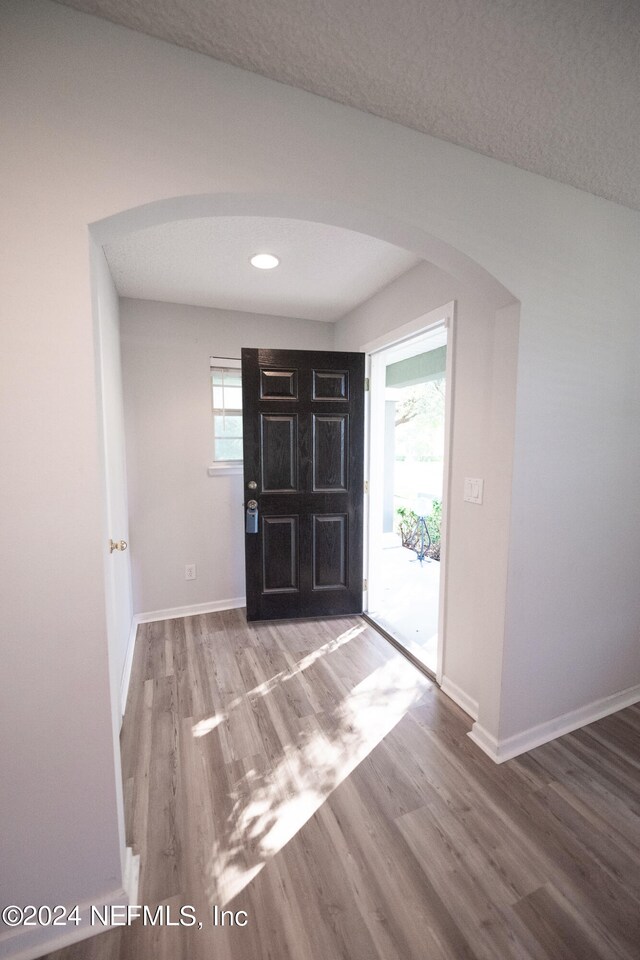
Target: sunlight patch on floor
{"points": [[275, 805], [203, 727], [326, 648], [206, 726]]}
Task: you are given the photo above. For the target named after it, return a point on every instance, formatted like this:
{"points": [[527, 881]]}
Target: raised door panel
{"points": [[330, 552], [330, 449], [278, 384], [330, 385], [279, 452], [280, 562]]}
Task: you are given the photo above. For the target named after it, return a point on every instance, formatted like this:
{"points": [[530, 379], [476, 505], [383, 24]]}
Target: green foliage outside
{"points": [[409, 528]]}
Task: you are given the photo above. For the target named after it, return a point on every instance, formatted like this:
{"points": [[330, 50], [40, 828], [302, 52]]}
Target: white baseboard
{"points": [[173, 613], [27, 943], [483, 739], [458, 695], [501, 750]]}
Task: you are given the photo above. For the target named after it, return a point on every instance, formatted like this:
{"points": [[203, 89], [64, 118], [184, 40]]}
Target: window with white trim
{"points": [[226, 395]]}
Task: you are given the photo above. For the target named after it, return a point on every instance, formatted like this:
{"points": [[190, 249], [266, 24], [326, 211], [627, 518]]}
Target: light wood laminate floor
{"points": [[307, 774]]}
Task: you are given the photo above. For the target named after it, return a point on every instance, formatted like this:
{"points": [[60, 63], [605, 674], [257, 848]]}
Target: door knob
{"points": [[117, 545]]}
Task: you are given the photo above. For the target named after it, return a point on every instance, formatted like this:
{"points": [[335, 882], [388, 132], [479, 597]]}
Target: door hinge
{"points": [[365, 584], [366, 486], [366, 384]]}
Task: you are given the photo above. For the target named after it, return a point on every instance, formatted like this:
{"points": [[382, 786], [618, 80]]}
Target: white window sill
{"points": [[224, 469]]}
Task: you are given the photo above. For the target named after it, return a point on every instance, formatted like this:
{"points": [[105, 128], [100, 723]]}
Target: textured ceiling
{"points": [[552, 86], [324, 271]]}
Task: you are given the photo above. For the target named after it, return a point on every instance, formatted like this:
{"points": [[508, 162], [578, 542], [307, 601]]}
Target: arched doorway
{"points": [[447, 260]]}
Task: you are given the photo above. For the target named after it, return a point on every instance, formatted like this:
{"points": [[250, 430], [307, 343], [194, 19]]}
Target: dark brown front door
{"points": [[303, 424]]}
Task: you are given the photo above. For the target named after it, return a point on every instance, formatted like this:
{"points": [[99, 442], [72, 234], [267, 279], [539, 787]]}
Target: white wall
{"points": [[101, 120], [573, 612], [179, 514], [485, 358]]}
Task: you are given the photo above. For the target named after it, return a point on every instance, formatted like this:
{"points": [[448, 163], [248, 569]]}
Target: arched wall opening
{"points": [[361, 220], [485, 359]]}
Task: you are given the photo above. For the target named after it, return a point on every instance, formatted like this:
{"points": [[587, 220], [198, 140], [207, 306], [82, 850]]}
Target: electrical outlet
{"points": [[190, 571]]}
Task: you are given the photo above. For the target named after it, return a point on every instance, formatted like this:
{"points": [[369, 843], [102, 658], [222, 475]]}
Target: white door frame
{"points": [[423, 329]]}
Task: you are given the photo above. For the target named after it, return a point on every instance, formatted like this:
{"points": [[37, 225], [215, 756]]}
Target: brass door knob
{"points": [[117, 545]]}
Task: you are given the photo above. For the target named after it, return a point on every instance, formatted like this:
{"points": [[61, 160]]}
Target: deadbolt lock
{"points": [[251, 522], [252, 485]]}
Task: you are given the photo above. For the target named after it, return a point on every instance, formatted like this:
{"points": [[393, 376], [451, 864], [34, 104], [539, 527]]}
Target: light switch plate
{"points": [[473, 489]]}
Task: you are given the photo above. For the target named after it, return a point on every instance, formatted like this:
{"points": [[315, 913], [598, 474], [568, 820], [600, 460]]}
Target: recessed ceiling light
{"points": [[264, 261]]}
